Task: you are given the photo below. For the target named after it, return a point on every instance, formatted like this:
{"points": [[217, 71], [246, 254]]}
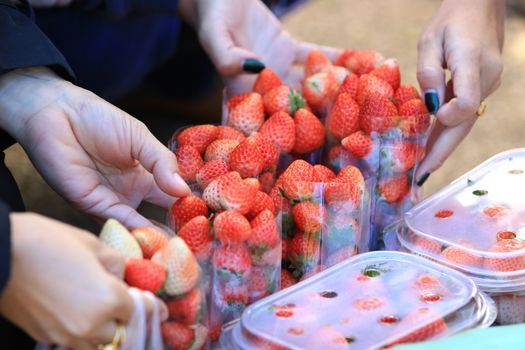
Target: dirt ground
{"points": [[389, 26]]}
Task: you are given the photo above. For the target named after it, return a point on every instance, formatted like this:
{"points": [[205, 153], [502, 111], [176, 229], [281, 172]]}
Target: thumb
{"points": [[430, 72]]}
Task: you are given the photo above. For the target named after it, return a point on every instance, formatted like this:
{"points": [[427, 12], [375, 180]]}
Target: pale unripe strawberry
{"points": [[119, 238]]}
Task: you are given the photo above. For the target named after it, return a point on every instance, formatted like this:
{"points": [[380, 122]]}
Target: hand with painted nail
{"points": [[464, 37], [243, 36], [100, 159]]}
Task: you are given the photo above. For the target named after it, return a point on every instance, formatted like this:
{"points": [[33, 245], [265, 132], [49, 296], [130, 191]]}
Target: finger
{"points": [[158, 160], [304, 48], [159, 198], [80, 344], [430, 72], [122, 306], [152, 302], [112, 260]]}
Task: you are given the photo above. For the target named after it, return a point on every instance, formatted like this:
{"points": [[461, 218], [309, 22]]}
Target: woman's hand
{"points": [[465, 37]]}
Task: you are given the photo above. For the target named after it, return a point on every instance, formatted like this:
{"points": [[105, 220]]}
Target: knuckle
{"points": [[468, 105]]}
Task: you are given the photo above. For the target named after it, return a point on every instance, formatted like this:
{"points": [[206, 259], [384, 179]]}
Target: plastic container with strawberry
{"points": [[477, 226], [370, 301]]}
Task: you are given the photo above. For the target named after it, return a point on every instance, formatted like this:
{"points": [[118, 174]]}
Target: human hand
{"points": [[235, 31], [465, 37], [102, 160], [60, 291]]}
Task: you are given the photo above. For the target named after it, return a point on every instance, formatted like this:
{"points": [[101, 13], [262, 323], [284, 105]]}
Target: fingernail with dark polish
{"points": [[432, 101], [252, 66], [422, 179]]}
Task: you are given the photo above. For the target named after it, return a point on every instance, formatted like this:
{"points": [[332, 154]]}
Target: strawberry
{"points": [[309, 217], [220, 150], [341, 60], [309, 132], [297, 181], [229, 192], [427, 245], [262, 284], [511, 309], [232, 259], [252, 182], [405, 93], [368, 83], [177, 336], [414, 117], [265, 233], [280, 129], [199, 136], [377, 113], [338, 157], [248, 115], [428, 282], [266, 80], [144, 274], [268, 150], [246, 159], [358, 144], [363, 62], [350, 85], [343, 192], [185, 209], [458, 256], [118, 237], [320, 89], [182, 269], [261, 201], [401, 155], [340, 74], [235, 100], [231, 227], [235, 297], [316, 61], [197, 235], [343, 119], [282, 99], [353, 174], [210, 171], [368, 303], [188, 308], [287, 279], [507, 264], [281, 204], [189, 161], [393, 188], [428, 331], [225, 132], [303, 251], [200, 335], [322, 173], [389, 72], [150, 240]]}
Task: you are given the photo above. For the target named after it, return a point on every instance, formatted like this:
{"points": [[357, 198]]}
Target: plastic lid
{"points": [[371, 300], [477, 223]]}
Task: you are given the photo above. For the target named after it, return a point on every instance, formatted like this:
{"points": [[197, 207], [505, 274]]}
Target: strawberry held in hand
{"points": [[144, 274], [309, 132], [248, 115]]}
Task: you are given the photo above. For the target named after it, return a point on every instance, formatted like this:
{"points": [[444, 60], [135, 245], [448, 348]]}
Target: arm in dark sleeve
{"points": [[119, 8], [5, 246]]}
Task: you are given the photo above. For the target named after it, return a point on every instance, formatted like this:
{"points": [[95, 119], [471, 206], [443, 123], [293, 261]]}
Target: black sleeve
{"points": [[119, 8], [5, 246]]}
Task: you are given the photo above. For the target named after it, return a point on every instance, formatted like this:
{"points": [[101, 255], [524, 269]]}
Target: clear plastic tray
{"points": [[371, 300], [476, 224]]}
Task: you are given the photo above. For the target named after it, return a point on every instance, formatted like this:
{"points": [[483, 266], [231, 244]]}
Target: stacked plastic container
{"points": [[477, 226], [371, 301]]}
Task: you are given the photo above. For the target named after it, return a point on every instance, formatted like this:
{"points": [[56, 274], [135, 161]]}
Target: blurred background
{"points": [[392, 27]]}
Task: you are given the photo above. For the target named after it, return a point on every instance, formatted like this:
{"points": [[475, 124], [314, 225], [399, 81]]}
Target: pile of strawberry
{"points": [[167, 268], [321, 214]]}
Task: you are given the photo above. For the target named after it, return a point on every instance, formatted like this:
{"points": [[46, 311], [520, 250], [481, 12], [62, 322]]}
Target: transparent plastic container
{"points": [[370, 301]]}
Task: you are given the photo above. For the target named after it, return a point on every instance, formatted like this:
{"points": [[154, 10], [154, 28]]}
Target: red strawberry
{"points": [[261, 202], [144, 274], [220, 150], [188, 308], [225, 132], [393, 188], [266, 80], [282, 99], [339, 73], [229, 192], [427, 245], [389, 72], [235, 297], [363, 62], [458, 256], [197, 235], [341, 60], [322, 173], [417, 317], [177, 336], [358, 144], [315, 62], [297, 181], [248, 115], [414, 117], [231, 227], [267, 180], [235, 100], [309, 217], [368, 83], [344, 116], [338, 157], [281, 204], [287, 279], [253, 182], [377, 113], [403, 155], [280, 129], [309, 132], [405, 93], [260, 284], [343, 192], [513, 263], [428, 282], [303, 251], [210, 171], [185, 209], [350, 85], [368, 303], [232, 258], [268, 150], [265, 234], [353, 174], [246, 159], [189, 161], [150, 240], [199, 136], [320, 89]]}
